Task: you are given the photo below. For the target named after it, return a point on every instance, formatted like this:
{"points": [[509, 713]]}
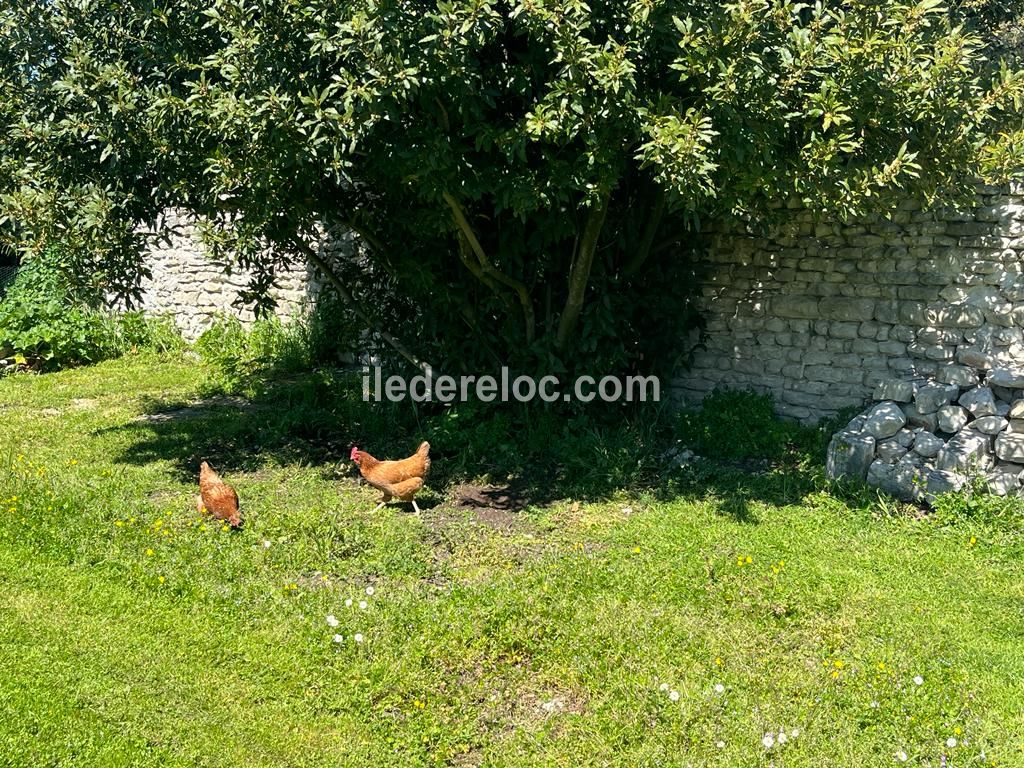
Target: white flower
{"points": [[674, 695], [794, 733], [663, 687], [720, 744], [768, 741], [332, 621], [348, 603], [338, 638], [358, 637], [266, 544], [901, 755], [369, 591], [782, 737], [874, 705], [918, 680], [719, 688], [950, 742], [363, 604]]}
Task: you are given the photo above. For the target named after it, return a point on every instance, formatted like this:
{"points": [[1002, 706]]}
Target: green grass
{"points": [[132, 633]]}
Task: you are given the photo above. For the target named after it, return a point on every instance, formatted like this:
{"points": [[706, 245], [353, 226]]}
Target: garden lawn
{"points": [[690, 624]]}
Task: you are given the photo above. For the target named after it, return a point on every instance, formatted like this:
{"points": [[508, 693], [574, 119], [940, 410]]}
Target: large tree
{"points": [[526, 177]]}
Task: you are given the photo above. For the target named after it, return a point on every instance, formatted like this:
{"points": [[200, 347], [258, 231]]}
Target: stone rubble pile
{"points": [[923, 438]]}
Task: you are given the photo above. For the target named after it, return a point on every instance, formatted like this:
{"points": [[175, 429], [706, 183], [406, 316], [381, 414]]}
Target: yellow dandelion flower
{"points": [[161, 579], [718, 661], [149, 553], [636, 550], [749, 560], [838, 663], [972, 542], [119, 523]]}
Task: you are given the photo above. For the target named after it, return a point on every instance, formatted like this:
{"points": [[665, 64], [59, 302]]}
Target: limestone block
{"points": [[965, 452], [926, 444], [932, 396], [849, 455]]}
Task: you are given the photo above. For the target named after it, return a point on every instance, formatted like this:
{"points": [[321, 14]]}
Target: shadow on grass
{"points": [[315, 419]]}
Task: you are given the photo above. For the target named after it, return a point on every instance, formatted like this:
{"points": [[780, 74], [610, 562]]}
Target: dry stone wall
{"points": [[817, 314], [190, 287]]}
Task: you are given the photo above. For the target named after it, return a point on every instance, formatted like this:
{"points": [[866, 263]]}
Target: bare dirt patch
{"points": [[198, 409], [497, 506]]}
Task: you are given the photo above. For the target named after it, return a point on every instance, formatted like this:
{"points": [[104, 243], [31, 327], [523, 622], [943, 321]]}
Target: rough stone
{"points": [[849, 455], [905, 437], [1003, 393], [903, 480], [975, 358], [991, 425], [930, 397], [966, 451], [1004, 479], [1011, 378], [884, 420], [960, 375], [926, 444], [1010, 446], [979, 401], [894, 389], [804, 307], [1016, 410], [952, 418], [917, 419], [940, 481], [851, 309], [889, 450]]}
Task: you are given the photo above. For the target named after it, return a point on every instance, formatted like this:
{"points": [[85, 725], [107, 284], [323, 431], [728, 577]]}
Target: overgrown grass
{"points": [[132, 632]]}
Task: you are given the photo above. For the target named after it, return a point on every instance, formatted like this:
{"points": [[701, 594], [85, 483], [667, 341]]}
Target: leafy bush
{"points": [[49, 320], [529, 180], [240, 358], [739, 425]]}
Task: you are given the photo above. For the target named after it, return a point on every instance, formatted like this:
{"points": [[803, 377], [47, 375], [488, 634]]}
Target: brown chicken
{"points": [[395, 479], [217, 497]]}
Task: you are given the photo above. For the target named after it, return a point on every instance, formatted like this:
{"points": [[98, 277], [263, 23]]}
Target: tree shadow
{"points": [[315, 419]]}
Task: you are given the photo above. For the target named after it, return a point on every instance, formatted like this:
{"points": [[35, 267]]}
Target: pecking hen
{"points": [[217, 497], [395, 479]]}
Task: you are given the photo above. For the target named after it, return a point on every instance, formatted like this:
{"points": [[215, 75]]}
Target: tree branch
{"points": [[579, 275], [343, 292], [490, 270], [464, 255], [650, 230]]}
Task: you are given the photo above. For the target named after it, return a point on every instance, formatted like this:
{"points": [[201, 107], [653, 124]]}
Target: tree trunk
{"points": [[492, 272], [579, 274]]}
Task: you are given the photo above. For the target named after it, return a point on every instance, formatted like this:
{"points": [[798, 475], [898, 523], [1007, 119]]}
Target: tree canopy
{"points": [[527, 176]]}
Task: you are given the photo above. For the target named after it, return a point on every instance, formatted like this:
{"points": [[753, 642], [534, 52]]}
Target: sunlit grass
{"points": [[639, 629]]}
